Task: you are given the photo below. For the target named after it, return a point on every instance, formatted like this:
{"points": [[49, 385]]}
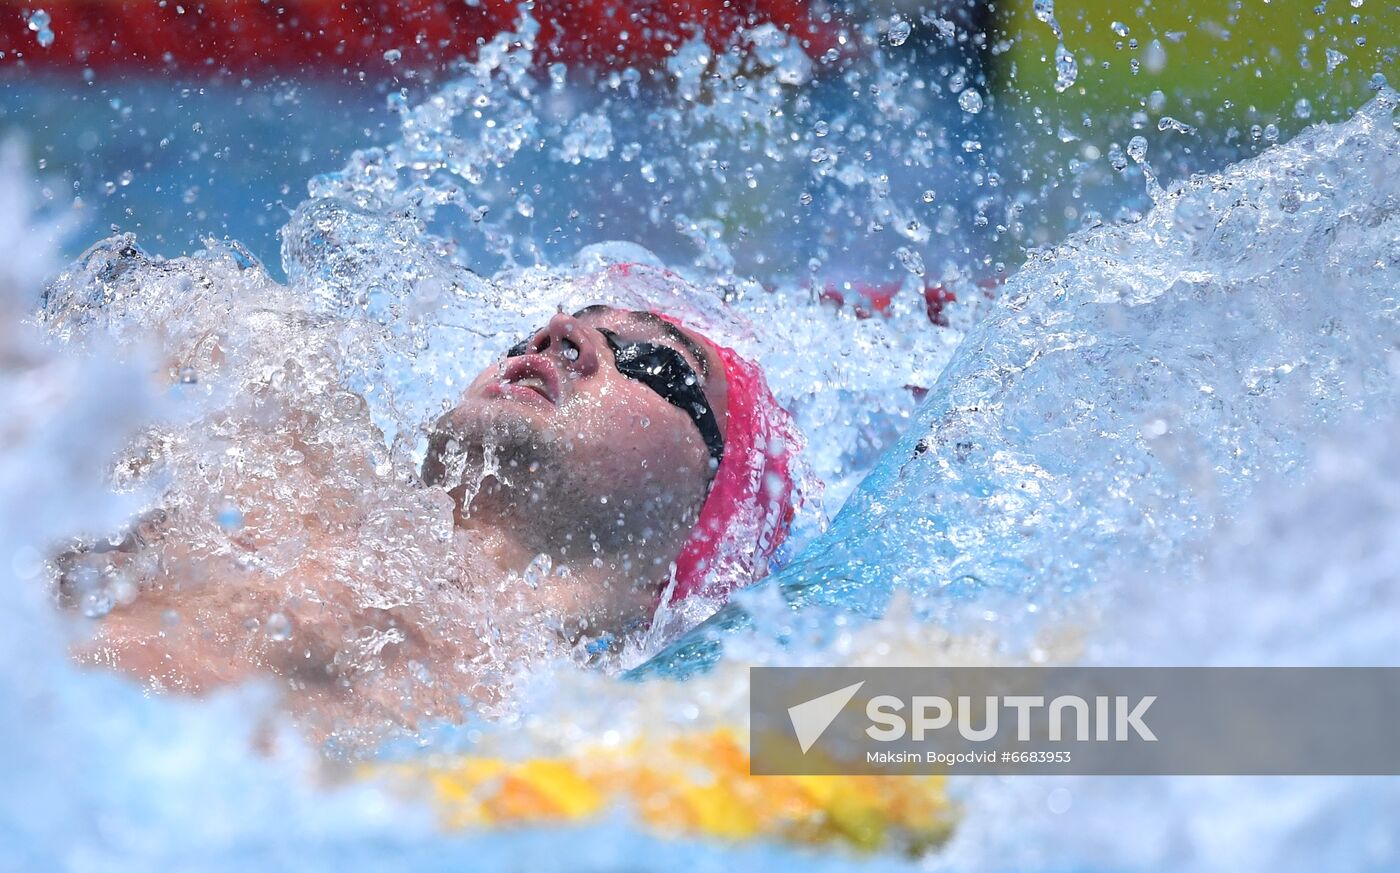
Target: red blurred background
{"points": [[337, 37]]}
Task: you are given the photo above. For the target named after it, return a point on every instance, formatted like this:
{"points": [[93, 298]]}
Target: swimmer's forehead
{"points": [[637, 325]]}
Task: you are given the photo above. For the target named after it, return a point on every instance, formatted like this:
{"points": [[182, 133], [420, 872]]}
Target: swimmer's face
{"points": [[568, 425]]}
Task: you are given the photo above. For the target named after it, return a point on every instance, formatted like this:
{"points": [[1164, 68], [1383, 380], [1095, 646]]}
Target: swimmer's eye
{"points": [[518, 349], [666, 371]]}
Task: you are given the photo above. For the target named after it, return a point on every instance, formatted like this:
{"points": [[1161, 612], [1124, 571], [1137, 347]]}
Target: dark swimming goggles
{"points": [[665, 371]]}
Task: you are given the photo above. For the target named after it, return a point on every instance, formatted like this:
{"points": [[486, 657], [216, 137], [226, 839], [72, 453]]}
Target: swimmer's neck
{"points": [[511, 540]]}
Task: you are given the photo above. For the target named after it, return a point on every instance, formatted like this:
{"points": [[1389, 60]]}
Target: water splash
{"points": [[1131, 388], [1066, 66]]}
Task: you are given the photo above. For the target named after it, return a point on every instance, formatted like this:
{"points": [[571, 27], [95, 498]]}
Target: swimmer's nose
{"points": [[571, 342]]}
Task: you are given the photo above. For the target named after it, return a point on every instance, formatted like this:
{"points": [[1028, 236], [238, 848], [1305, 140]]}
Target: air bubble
{"points": [[970, 101]]}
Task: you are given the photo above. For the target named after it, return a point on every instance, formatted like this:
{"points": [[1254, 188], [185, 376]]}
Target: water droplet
{"points": [[278, 626], [821, 128], [900, 28], [230, 517], [1116, 159], [589, 137], [1155, 58], [1066, 68], [393, 56], [1166, 122], [537, 570], [911, 260], [1334, 59], [122, 588], [970, 101], [45, 38], [1119, 28], [97, 603], [525, 206], [928, 196], [39, 20], [1059, 801], [1137, 148]]}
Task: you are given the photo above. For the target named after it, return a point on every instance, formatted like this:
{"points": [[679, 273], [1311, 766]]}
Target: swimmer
{"points": [[612, 462]]}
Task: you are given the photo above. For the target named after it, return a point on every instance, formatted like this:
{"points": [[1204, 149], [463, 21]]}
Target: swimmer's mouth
{"points": [[535, 373]]}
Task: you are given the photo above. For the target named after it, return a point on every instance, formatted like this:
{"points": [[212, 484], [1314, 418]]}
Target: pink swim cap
{"points": [[752, 497], [750, 505]]}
